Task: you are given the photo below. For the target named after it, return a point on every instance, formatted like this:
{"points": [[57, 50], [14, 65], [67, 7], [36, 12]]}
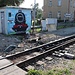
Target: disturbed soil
{"points": [[23, 42]]}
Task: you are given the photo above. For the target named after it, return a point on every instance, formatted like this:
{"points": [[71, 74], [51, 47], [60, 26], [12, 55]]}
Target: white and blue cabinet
{"points": [[15, 20]]}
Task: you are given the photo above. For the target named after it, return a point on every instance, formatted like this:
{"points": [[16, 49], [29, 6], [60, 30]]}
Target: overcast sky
{"points": [[27, 3]]}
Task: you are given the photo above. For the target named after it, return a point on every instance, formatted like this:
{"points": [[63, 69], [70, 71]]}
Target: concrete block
{"points": [[67, 48], [12, 70], [71, 46], [48, 58], [30, 67], [40, 63], [5, 63], [68, 55], [36, 53]]}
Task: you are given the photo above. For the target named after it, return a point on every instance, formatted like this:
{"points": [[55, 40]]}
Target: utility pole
{"points": [[34, 14], [69, 7]]}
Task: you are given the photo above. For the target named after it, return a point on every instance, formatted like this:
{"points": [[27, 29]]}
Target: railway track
{"points": [[33, 55]]}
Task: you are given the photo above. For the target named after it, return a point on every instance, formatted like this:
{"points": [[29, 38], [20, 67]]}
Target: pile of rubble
{"points": [[17, 43]]}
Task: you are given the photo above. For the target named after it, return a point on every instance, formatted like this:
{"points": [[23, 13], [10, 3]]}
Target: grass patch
{"points": [[36, 30], [34, 72], [65, 25], [50, 72], [59, 72]]}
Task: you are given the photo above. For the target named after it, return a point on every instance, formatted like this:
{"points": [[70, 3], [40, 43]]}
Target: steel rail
{"points": [[43, 55], [45, 47]]}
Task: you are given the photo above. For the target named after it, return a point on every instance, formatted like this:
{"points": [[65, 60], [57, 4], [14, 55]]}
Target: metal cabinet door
{"points": [[3, 22]]}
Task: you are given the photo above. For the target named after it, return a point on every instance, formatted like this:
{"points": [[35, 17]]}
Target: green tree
{"points": [[10, 2], [38, 11], [39, 14]]}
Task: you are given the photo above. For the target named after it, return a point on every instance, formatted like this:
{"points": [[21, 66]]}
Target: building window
{"points": [[9, 14], [74, 5], [50, 15], [50, 3], [59, 15], [71, 4], [59, 2]]}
